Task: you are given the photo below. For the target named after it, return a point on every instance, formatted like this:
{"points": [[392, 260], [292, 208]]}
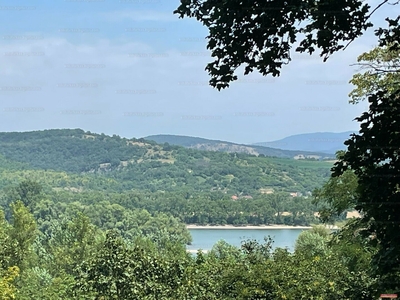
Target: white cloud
{"points": [[170, 83]]}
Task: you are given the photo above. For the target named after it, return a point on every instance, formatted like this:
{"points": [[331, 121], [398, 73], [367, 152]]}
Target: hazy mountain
{"points": [[223, 146], [327, 142]]}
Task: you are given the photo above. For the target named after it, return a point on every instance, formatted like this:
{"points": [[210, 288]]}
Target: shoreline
{"points": [[247, 227], [194, 251]]}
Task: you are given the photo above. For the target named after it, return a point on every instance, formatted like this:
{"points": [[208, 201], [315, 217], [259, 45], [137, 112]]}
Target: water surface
{"points": [[205, 238]]}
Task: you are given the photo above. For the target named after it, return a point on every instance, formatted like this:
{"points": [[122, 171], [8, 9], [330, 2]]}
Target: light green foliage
{"points": [[22, 234], [72, 261], [320, 277], [283, 275], [380, 68], [120, 271], [321, 230], [5, 242], [224, 251], [37, 283], [7, 285], [69, 242], [160, 228], [311, 244]]}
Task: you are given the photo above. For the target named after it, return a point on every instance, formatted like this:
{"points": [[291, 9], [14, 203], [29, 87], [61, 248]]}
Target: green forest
{"points": [[82, 169], [138, 164], [71, 258], [74, 228], [118, 232], [91, 216]]}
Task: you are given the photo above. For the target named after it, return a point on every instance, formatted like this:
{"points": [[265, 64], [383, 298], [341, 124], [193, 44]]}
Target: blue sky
{"points": [[132, 68]]}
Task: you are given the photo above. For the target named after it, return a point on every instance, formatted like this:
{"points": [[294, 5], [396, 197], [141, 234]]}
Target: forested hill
{"points": [[143, 165], [70, 150], [223, 146]]}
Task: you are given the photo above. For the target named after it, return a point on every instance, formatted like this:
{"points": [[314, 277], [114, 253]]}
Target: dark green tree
{"points": [[373, 156], [260, 34], [336, 196], [109, 274]]}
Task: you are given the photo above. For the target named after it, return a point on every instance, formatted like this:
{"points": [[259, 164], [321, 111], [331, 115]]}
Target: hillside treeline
{"points": [[109, 210]]}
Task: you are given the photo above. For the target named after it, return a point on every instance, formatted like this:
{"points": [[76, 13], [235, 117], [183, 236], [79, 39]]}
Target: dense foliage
{"points": [[366, 176], [58, 241], [68, 257], [109, 210], [373, 157]]}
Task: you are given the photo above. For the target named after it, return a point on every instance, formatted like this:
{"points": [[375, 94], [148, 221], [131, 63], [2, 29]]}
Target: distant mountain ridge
{"points": [[327, 142], [223, 146]]}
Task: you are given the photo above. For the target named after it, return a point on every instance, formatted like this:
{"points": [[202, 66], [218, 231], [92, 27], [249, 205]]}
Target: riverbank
{"points": [[252, 227], [194, 251]]}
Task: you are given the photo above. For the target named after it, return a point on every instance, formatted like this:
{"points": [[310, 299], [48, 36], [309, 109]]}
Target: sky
{"points": [[133, 68]]}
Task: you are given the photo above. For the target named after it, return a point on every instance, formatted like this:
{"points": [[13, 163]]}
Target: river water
{"points": [[205, 238]]}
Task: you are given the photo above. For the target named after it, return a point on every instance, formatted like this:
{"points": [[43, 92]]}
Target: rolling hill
{"points": [[223, 146], [79, 160]]}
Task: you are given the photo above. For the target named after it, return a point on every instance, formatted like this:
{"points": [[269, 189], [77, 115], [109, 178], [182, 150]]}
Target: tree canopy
{"points": [[261, 34], [373, 155], [379, 70]]}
